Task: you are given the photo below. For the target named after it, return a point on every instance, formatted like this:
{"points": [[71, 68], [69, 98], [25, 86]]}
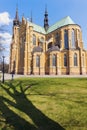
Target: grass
{"points": [[44, 104]]}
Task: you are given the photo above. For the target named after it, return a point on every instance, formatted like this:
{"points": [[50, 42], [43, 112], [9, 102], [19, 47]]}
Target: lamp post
{"points": [[3, 69]]}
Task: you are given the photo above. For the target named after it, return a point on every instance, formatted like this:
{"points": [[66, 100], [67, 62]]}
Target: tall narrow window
{"points": [[54, 60], [48, 60], [65, 60], [78, 35], [66, 39], [34, 40], [82, 59], [56, 37], [37, 61], [73, 38], [41, 42], [57, 40], [50, 45], [75, 60]]}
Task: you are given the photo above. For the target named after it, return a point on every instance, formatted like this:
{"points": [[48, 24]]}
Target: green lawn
{"points": [[44, 104]]}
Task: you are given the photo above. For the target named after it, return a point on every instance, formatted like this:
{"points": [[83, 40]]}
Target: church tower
{"points": [[46, 25], [16, 20], [14, 45]]}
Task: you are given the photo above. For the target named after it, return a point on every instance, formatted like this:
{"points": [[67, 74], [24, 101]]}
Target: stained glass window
{"points": [[73, 38], [75, 60], [66, 39], [65, 60], [37, 61], [34, 40], [54, 60]]}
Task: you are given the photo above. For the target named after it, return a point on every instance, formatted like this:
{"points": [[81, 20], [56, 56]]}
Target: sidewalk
{"points": [[9, 76]]}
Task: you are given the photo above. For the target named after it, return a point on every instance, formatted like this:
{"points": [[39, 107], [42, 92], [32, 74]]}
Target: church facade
{"points": [[52, 50]]}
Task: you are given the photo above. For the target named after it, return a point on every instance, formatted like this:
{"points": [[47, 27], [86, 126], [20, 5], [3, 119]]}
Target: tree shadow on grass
{"points": [[12, 119], [22, 103]]}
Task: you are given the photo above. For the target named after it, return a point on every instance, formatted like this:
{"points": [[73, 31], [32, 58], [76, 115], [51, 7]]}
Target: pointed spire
{"points": [[46, 25], [31, 20], [16, 19], [16, 16], [46, 9]]}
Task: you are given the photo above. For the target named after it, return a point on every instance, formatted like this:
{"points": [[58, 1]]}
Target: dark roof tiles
{"points": [[53, 48], [37, 49]]}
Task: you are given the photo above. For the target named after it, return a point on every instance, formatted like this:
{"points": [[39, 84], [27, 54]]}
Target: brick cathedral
{"points": [[52, 50]]}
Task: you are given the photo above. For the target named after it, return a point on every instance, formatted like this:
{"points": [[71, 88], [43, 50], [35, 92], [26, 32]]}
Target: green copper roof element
{"points": [[65, 21], [38, 28]]}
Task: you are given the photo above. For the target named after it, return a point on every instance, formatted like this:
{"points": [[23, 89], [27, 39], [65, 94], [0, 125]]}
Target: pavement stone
{"points": [[9, 76]]}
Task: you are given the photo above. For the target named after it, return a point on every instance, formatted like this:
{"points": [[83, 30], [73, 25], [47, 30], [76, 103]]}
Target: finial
{"points": [[16, 16], [31, 18], [23, 15], [46, 8], [16, 19]]}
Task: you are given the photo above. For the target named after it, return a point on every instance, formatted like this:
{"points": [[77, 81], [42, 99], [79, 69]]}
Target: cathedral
{"points": [[47, 50]]}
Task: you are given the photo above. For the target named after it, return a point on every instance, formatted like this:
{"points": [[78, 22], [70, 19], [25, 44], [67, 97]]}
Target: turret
{"points": [[16, 19], [46, 25]]}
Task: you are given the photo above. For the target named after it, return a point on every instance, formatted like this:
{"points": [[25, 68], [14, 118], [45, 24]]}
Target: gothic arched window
{"points": [[37, 61], [57, 40], [34, 39], [83, 59], [75, 60], [48, 60], [73, 38], [65, 60], [54, 60], [78, 34], [41, 42], [50, 45], [65, 39]]}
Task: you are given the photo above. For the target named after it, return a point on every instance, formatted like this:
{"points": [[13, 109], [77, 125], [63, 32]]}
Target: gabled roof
{"points": [[38, 28], [65, 21]]}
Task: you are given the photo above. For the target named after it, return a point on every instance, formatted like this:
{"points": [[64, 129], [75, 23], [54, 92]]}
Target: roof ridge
{"points": [[64, 21], [37, 25], [61, 20], [38, 28]]}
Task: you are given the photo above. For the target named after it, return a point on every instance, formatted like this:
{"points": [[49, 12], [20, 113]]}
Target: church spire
{"points": [[46, 25], [16, 16], [16, 19], [31, 20]]}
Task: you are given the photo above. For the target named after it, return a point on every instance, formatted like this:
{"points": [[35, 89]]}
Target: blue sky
{"points": [[57, 9]]}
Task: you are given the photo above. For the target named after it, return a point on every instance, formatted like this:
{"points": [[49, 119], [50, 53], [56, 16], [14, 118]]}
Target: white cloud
{"points": [[7, 59], [5, 38], [6, 41], [5, 18], [5, 35]]}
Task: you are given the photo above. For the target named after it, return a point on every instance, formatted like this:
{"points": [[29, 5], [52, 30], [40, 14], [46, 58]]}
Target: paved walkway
{"points": [[9, 76]]}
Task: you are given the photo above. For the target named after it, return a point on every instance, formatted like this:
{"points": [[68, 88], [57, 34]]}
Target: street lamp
{"points": [[3, 69]]}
